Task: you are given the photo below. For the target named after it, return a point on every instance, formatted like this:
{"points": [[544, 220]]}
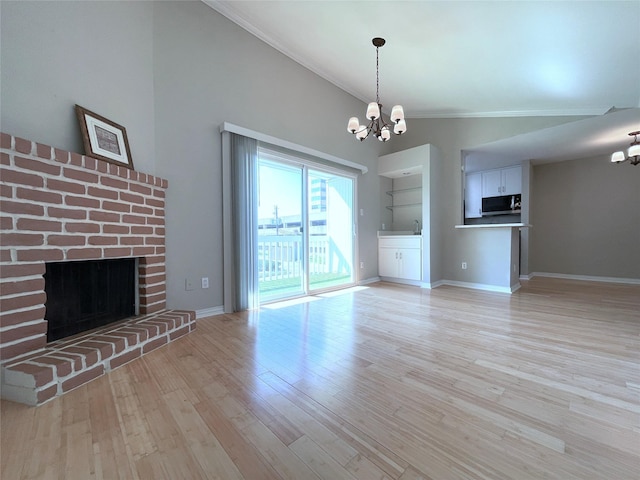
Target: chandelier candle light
{"points": [[633, 154], [377, 125]]}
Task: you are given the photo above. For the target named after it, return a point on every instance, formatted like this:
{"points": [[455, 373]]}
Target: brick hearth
{"points": [[68, 363], [62, 206]]}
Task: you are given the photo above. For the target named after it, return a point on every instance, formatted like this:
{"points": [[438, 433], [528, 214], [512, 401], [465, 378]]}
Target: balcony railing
{"points": [[280, 263]]}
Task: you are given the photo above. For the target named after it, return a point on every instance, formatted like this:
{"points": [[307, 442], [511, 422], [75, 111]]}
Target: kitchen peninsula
{"points": [[492, 256]]}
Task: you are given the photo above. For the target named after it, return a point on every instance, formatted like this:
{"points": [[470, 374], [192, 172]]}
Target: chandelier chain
{"points": [[377, 78]]}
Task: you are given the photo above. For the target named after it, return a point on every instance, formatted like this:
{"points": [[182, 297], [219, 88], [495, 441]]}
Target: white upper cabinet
{"points": [[502, 181], [512, 180], [491, 183]]}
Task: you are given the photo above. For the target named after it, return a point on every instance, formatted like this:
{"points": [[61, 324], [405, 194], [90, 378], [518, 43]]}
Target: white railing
{"points": [[281, 257]]}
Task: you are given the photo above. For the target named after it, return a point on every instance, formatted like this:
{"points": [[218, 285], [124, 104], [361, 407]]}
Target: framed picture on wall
{"points": [[104, 139]]}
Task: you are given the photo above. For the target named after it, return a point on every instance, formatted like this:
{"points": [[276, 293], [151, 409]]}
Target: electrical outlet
{"points": [[464, 265], [188, 284], [361, 264], [205, 282]]}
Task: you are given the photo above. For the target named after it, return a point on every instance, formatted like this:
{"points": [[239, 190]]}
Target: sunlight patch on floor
{"points": [[288, 303], [343, 291], [312, 298]]}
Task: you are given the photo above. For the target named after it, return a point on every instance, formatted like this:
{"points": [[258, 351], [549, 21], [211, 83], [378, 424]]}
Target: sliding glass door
{"points": [[305, 228], [280, 230], [331, 235]]}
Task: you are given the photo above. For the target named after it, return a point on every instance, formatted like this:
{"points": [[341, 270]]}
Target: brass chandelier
{"points": [[377, 126]]}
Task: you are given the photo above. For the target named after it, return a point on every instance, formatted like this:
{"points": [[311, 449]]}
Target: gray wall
{"points": [[95, 54], [207, 71], [436, 214], [171, 73], [586, 218]]}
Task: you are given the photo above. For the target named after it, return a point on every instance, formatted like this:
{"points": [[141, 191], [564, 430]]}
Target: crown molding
{"points": [[583, 112], [226, 9]]}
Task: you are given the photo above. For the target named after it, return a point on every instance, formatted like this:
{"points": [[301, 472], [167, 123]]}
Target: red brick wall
{"points": [[57, 206]]}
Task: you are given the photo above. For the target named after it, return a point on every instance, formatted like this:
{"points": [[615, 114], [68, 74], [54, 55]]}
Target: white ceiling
{"points": [[465, 58], [586, 138]]}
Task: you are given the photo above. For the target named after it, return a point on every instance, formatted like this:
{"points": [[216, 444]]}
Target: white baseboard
{"points": [[209, 312], [475, 286], [586, 278], [481, 286], [415, 283], [367, 281], [433, 285]]}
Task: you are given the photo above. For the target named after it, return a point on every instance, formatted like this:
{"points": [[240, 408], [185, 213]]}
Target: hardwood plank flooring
{"points": [[379, 382]]}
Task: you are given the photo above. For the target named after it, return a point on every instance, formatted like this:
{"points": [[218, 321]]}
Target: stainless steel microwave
{"points": [[504, 205]]}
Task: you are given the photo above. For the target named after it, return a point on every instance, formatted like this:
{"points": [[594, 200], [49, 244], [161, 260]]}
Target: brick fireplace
{"points": [[58, 206]]}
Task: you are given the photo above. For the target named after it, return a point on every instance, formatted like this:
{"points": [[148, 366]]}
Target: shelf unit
{"points": [[391, 193]]}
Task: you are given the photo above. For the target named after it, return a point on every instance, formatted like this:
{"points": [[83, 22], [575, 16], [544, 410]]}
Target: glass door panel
{"points": [[280, 233], [330, 226]]}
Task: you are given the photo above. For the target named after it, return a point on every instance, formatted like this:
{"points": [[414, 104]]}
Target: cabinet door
{"points": [[492, 183], [409, 264], [387, 262], [512, 180], [473, 196]]}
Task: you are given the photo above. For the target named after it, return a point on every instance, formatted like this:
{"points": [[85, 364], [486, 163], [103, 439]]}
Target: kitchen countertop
{"points": [[397, 233]]}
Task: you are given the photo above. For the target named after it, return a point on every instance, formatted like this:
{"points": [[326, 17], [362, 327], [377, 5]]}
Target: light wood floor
{"points": [[388, 382]]}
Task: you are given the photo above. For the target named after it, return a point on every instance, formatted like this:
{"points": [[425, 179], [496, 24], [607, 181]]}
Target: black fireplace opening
{"points": [[88, 294]]}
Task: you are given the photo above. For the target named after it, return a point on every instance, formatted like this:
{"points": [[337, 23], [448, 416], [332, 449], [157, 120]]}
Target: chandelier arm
{"points": [[371, 127], [368, 128]]}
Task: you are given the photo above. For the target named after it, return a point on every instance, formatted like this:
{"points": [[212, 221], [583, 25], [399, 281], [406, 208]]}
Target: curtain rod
{"points": [[261, 137]]}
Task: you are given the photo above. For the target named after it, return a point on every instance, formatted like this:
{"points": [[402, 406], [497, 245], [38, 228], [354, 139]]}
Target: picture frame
{"points": [[104, 139]]}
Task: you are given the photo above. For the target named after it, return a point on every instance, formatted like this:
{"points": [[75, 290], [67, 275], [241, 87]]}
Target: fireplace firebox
{"points": [[87, 294]]}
